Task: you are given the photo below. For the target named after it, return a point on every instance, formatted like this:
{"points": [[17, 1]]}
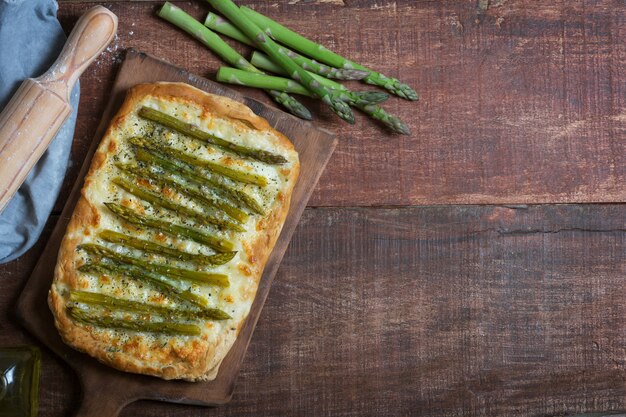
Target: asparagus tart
{"points": [[181, 207]]}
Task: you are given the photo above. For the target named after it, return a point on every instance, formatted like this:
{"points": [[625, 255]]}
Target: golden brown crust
{"points": [[199, 359]]}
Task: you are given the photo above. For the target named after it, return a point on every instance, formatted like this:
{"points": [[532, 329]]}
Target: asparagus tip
{"points": [[340, 107], [407, 92], [371, 97], [302, 112], [294, 106], [398, 126]]}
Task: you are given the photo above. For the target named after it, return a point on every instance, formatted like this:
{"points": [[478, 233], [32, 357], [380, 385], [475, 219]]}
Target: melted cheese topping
{"points": [[236, 299]]}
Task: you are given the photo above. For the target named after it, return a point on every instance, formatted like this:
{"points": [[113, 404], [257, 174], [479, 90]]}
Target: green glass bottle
{"points": [[19, 381]]}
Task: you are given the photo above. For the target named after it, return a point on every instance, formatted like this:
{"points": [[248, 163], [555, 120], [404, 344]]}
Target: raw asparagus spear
{"points": [[265, 43], [188, 188], [137, 219], [376, 112], [221, 25], [199, 277], [144, 153], [226, 74], [324, 70], [95, 318], [307, 47], [190, 25], [249, 79], [235, 76], [197, 133], [113, 303], [358, 98], [158, 200], [151, 247], [264, 62], [392, 122], [137, 274]]}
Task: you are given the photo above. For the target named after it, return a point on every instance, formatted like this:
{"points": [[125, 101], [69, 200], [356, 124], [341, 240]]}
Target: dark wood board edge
{"points": [[315, 147]]}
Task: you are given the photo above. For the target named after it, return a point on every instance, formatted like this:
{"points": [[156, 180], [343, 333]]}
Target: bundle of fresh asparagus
{"points": [[301, 65]]}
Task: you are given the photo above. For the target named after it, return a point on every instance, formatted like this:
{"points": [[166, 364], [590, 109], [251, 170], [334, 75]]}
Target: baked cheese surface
{"points": [[165, 249]]}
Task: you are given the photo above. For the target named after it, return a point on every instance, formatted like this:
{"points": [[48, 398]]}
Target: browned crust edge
{"points": [[80, 337]]}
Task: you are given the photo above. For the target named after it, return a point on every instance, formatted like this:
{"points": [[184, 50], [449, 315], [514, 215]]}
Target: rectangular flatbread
{"points": [[183, 202]]}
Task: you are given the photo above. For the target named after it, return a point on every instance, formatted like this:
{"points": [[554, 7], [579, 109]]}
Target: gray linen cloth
{"points": [[31, 38]]}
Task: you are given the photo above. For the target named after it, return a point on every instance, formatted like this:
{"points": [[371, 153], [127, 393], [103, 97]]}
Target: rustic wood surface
{"points": [[526, 106], [380, 309], [432, 311]]}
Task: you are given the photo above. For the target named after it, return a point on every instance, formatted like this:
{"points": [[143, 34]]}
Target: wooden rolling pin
{"points": [[41, 105]]}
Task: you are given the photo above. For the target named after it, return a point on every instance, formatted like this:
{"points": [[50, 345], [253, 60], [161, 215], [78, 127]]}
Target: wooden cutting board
{"points": [[105, 390]]}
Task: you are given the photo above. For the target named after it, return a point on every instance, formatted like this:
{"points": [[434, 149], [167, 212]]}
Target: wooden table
{"points": [[466, 269]]}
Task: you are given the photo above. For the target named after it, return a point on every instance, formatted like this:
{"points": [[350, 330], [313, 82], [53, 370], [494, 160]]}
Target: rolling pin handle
{"points": [[40, 106], [92, 33]]}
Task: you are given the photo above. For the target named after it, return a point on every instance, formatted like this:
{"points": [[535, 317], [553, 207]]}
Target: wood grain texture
{"points": [[526, 106], [431, 311]]}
